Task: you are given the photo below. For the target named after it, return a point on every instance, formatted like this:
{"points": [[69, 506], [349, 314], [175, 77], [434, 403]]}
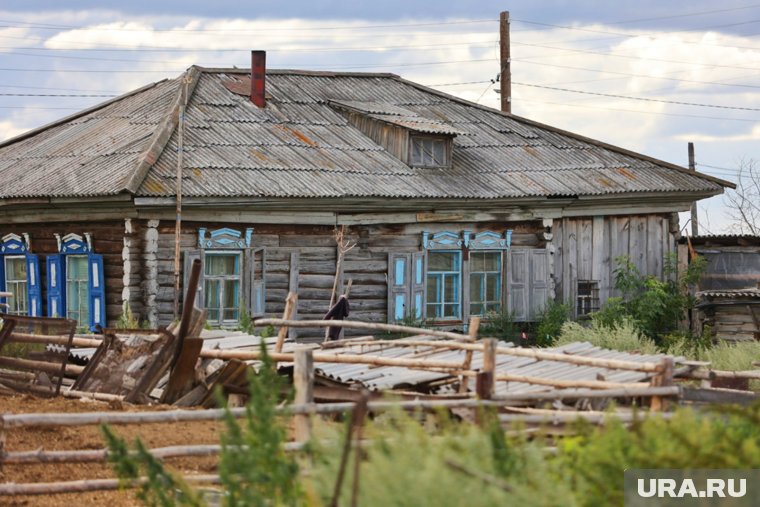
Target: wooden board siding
{"points": [[586, 249], [107, 239]]}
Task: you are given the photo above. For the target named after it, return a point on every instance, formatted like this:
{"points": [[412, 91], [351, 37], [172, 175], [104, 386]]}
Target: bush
{"points": [[655, 307], [550, 322], [625, 337], [500, 325]]}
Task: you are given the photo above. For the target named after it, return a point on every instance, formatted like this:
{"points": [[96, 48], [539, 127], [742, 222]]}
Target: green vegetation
{"points": [[550, 322], [253, 466], [502, 326], [655, 307], [623, 337], [417, 460]]}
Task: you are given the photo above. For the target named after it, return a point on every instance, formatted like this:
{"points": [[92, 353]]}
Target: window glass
{"points": [[221, 285], [15, 283], [444, 285], [485, 282], [428, 152], [77, 290]]}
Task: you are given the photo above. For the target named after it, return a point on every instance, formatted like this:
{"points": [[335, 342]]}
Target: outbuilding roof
{"points": [[301, 146]]}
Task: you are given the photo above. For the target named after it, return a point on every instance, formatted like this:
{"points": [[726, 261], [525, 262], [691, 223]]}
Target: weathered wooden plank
{"points": [[585, 254], [293, 288], [637, 247], [655, 249], [571, 263], [559, 260]]}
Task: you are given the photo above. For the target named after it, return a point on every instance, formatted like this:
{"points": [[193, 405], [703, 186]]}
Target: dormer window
{"points": [[427, 151], [415, 140]]}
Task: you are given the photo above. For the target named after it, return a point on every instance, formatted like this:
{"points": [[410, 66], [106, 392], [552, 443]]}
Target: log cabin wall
{"points": [[109, 238], [302, 258], [585, 249]]}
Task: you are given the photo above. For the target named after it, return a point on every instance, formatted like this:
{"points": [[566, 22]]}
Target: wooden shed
{"points": [[732, 315], [455, 209]]}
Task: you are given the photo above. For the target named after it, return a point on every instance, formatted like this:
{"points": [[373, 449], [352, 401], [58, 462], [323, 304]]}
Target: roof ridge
{"points": [[573, 135], [297, 72], [78, 114], [162, 134]]}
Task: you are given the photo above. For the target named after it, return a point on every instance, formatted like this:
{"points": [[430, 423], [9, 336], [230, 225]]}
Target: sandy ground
{"points": [[90, 437]]}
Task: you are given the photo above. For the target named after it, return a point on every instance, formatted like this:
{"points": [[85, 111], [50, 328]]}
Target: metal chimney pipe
{"points": [[258, 77]]}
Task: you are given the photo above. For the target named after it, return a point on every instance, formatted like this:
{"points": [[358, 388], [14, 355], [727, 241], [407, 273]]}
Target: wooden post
{"points": [[359, 416], [472, 335], [290, 304], [303, 381], [694, 217], [484, 382], [505, 74], [662, 379]]}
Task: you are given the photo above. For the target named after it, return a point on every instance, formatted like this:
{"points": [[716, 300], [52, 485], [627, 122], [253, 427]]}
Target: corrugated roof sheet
{"points": [[299, 145], [394, 377], [729, 294]]}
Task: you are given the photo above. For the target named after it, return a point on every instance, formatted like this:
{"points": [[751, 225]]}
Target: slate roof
{"points": [[300, 145]]}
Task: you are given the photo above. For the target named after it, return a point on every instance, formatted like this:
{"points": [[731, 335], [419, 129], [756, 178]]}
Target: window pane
{"points": [[450, 311], [77, 290], [76, 267], [491, 261], [476, 309], [222, 264], [232, 294], [451, 289], [15, 269], [443, 261], [211, 289], [416, 152], [433, 311], [476, 287], [438, 153], [493, 287], [231, 314], [433, 285]]}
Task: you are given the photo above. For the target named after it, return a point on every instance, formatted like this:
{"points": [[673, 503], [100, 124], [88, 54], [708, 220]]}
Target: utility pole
{"points": [[505, 74], [694, 219]]}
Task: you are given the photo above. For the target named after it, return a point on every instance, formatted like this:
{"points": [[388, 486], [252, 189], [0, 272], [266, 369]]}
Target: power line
{"points": [[645, 99], [588, 51], [52, 95], [45, 26], [719, 118], [626, 74]]}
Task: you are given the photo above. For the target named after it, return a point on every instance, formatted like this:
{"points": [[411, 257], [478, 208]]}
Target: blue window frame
{"points": [[485, 282], [444, 285], [76, 283], [20, 275]]}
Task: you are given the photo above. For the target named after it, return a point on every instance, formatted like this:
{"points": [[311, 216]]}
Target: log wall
{"points": [[108, 238]]}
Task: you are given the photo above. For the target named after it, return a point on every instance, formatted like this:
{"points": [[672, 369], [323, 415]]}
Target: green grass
{"points": [[624, 337]]}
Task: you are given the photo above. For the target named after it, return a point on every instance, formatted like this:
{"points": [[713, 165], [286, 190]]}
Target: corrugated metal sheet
{"points": [[299, 145], [729, 294], [392, 377]]}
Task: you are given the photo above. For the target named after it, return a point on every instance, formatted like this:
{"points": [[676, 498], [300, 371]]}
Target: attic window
{"points": [[426, 151]]}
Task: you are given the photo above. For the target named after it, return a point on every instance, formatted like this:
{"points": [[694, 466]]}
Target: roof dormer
{"points": [[415, 140]]}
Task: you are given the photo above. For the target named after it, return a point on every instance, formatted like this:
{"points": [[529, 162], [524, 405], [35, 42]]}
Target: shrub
{"points": [[654, 306], [500, 325], [550, 322], [127, 319]]}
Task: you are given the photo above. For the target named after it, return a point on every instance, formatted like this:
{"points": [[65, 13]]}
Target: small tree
{"points": [[655, 306], [743, 203]]}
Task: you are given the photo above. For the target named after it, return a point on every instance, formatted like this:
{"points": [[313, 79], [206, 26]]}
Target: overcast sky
{"points": [[648, 76]]}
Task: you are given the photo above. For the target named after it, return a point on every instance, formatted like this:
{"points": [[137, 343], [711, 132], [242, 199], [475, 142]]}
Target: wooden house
{"points": [[728, 298], [456, 209]]}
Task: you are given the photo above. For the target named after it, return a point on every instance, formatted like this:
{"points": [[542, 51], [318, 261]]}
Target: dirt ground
{"points": [[90, 437]]}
